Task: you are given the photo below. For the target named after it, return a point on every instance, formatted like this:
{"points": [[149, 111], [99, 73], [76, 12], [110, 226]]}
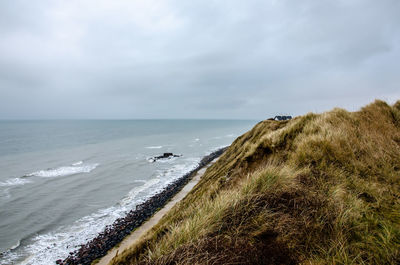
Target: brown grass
{"points": [[319, 189]]}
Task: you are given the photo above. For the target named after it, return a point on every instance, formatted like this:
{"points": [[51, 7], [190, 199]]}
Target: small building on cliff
{"points": [[282, 118]]}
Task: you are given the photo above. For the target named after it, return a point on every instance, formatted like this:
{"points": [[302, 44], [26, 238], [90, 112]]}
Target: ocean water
{"points": [[62, 182]]}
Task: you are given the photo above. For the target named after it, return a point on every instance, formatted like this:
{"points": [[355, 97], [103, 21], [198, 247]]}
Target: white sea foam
{"points": [[168, 160], [77, 163], [14, 182], [9, 255], [179, 170], [154, 147], [151, 159], [63, 171], [47, 248], [135, 191]]}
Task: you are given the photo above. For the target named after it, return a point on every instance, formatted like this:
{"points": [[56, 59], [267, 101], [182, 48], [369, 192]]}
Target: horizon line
{"points": [[127, 119]]}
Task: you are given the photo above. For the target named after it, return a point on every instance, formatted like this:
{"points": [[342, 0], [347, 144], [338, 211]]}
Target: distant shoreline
{"points": [[122, 227]]}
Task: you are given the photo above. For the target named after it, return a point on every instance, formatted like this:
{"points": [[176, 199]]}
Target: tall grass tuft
{"points": [[319, 189]]}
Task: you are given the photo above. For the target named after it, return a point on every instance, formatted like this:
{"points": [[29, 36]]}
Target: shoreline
{"points": [[138, 233], [115, 233]]}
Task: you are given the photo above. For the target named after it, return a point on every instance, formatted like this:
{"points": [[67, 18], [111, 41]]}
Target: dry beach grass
{"points": [[319, 189]]}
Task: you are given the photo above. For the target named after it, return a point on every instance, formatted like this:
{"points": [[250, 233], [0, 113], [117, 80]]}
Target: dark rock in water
{"points": [[164, 156], [115, 233]]}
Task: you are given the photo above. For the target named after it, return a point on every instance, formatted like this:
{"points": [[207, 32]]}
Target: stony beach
{"points": [[115, 233]]}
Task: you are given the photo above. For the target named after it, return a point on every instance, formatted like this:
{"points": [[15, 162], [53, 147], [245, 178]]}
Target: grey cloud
{"points": [[195, 59]]}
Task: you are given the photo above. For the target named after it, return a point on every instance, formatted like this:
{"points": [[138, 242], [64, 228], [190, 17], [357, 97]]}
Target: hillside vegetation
{"points": [[318, 189]]}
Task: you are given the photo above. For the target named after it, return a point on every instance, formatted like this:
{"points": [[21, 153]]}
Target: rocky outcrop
{"points": [[164, 156]]}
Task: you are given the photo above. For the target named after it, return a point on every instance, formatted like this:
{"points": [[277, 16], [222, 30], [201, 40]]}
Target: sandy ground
{"points": [[139, 232]]}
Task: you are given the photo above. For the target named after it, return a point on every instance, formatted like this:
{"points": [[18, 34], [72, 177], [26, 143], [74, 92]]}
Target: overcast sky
{"points": [[232, 59]]}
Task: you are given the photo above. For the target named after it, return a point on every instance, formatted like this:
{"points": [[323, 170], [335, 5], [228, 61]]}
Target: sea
{"points": [[63, 182]]}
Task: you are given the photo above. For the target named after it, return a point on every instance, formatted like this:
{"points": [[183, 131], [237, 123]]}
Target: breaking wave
{"points": [[14, 182], [48, 247], [64, 171]]}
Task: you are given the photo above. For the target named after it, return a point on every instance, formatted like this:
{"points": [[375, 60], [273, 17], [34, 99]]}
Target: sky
{"points": [[233, 59]]}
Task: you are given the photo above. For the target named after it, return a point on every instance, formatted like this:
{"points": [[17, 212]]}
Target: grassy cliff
{"points": [[318, 189]]}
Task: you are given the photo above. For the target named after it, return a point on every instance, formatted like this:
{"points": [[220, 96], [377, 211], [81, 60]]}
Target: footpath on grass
{"points": [[114, 234], [143, 229]]}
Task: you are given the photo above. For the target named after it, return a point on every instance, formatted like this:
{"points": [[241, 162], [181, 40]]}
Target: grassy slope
{"points": [[319, 189]]}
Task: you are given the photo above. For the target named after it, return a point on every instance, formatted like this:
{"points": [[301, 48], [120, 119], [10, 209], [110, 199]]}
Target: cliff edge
{"points": [[318, 189]]}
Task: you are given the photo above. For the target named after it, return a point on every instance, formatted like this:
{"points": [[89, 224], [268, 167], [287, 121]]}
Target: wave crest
{"points": [[154, 147], [14, 182], [63, 171], [77, 163]]}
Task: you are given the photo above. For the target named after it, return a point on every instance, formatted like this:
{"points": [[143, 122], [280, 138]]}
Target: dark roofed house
{"points": [[282, 118]]}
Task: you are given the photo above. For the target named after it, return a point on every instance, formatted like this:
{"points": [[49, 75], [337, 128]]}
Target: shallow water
{"points": [[62, 182]]}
